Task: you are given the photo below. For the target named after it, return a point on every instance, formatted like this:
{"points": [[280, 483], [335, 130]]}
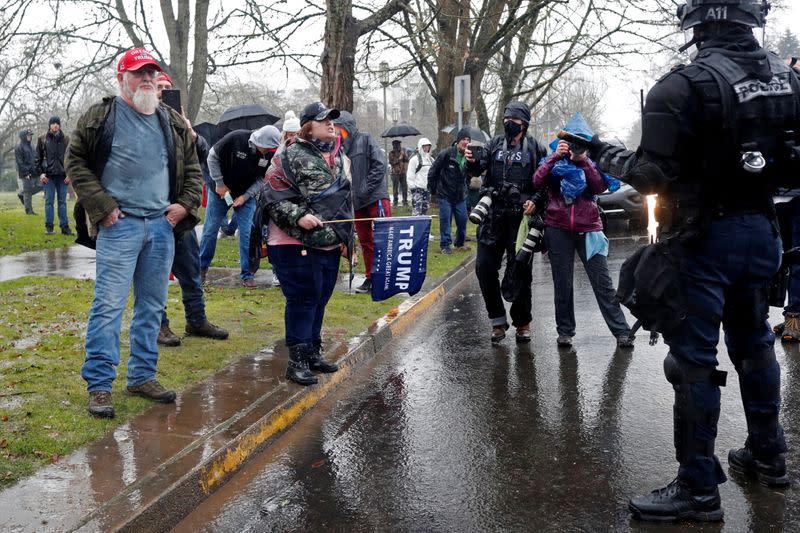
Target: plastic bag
{"points": [[571, 178]]}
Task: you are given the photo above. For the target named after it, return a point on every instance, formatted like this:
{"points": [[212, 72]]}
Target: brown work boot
{"points": [[249, 283], [523, 334], [498, 333], [791, 327], [207, 329], [100, 404], [153, 390], [166, 337]]}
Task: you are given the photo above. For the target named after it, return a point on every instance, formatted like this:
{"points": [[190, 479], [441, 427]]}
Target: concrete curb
{"points": [[254, 431]]}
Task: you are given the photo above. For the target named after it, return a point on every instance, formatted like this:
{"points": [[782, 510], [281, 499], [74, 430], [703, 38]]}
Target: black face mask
{"points": [[512, 129]]}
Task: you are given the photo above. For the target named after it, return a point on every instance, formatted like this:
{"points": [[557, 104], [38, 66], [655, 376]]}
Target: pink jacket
{"points": [[582, 215]]}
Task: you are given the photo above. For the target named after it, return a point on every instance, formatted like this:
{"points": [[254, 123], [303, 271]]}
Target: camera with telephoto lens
{"points": [[534, 241], [481, 209]]}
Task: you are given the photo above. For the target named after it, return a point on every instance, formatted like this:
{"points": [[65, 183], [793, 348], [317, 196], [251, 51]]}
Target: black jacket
{"points": [[25, 157], [367, 163], [446, 178], [240, 162], [51, 149]]}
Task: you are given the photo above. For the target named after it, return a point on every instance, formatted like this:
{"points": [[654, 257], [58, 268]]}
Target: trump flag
{"points": [[401, 256]]}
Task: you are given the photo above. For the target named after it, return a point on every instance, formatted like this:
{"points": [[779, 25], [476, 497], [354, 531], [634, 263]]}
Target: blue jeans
{"points": [[232, 226], [307, 283], [134, 250], [55, 186], [725, 276], [448, 210], [186, 267], [216, 213]]}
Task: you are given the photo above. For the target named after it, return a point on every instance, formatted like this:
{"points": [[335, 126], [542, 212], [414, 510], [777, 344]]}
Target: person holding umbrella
{"points": [[398, 161]]}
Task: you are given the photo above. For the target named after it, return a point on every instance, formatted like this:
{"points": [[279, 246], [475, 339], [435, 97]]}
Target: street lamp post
{"points": [[384, 77]]}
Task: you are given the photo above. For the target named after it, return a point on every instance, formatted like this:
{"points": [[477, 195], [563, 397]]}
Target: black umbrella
{"points": [[210, 132], [401, 129], [474, 133], [246, 117]]}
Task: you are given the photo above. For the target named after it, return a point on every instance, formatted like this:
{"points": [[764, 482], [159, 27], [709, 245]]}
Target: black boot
{"points": [[297, 370], [769, 472], [677, 501], [318, 364]]}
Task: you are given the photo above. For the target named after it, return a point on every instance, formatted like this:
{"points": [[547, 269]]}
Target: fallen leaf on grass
{"points": [[4, 443]]}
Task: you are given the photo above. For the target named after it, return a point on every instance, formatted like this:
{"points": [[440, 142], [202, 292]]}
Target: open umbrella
{"points": [[401, 129], [210, 132], [474, 133], [246, 117]]}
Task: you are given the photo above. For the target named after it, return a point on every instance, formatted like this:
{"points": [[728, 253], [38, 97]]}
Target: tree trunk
{"points": [[339, 56]]}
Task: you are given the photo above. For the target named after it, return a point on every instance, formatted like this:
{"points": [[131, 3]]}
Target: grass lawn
{"points": [[25, 233], [42, 325]]}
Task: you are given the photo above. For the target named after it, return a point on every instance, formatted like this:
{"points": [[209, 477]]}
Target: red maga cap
{"points": [[165, 77], [136, 58]]}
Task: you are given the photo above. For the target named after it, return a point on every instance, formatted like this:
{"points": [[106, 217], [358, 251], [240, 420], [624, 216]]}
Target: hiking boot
{"points": [[677, 501], [768, 472], [523, 334], [791, 327], [778, 329], [100, 404], [30, 212], [463, 248], [21, 199], [564, 341], [166, 337], [206, 329], [446, 251], [318, 364], [498, 333], [152, 390], [66, 231], [48, 230], [297, 370], [625, 340], [365, 287], [249, 283]]}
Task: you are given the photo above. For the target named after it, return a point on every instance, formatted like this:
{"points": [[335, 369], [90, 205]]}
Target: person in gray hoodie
{"points": [[370, 192], [25, 156]]}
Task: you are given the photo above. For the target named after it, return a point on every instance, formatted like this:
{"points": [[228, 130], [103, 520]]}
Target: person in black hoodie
{"points": [[236, 162], [51, 148], [25, 157], [370, 192], [448, 179]]}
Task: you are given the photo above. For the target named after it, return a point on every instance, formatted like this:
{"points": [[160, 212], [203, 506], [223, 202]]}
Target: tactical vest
{"points": [[740, 113], [513, 166]]}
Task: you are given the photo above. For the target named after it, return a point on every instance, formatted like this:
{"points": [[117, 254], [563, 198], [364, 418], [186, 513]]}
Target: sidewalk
{"points": [[149, 473]]}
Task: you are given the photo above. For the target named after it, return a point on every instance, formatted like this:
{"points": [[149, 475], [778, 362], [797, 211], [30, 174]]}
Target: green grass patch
{"points": [[25, 233], [43, 397]]}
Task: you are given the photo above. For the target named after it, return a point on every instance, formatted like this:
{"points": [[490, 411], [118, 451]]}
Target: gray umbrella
{"points": [[401, 129], [246, 117]]}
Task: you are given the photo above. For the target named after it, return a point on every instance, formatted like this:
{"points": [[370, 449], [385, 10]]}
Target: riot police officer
{"points": [[717, 135], [509, 161]]}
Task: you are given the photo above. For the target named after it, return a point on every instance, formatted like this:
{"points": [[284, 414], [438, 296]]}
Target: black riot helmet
{"points": [[751, 13]]}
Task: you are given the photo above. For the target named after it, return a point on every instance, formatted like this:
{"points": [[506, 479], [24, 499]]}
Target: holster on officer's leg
{"points": [[695, 417]]}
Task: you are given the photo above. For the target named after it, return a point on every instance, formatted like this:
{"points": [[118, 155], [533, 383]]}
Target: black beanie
{"points": [[54, 120], [518, 110]]}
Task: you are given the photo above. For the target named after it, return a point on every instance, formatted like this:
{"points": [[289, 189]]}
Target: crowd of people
{"points": [[138, 168]]}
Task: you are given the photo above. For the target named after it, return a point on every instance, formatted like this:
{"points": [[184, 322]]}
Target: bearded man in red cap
{"points": [[134, 166]]}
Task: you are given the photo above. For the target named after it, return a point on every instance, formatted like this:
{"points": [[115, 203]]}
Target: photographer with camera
{"points": [[573, 223], [509, 161]]}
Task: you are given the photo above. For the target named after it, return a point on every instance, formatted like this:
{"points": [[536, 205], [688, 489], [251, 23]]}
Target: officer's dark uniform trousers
{"points": [[722, 275]]}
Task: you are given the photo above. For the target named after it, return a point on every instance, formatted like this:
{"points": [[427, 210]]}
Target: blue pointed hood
{"points": [[576, 125]]}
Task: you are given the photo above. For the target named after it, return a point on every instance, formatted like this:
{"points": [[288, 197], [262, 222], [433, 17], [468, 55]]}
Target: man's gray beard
{"points": [[145, 102]]}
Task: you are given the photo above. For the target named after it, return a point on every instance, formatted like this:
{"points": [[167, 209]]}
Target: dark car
{"points": [[625, 202]]}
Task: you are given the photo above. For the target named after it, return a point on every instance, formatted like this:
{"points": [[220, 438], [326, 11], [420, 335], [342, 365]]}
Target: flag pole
{"points": [[375, 218]]}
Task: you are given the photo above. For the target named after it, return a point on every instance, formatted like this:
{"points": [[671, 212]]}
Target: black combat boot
{"points": [[769, 472], [297, 370], [318, 364], [678, 501]]}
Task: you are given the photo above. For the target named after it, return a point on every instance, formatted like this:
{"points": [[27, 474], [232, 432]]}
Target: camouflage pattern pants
{"points": [[420, 201]]}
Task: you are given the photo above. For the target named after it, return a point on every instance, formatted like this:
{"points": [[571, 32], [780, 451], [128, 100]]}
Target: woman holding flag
{"points": [[307, 186]]}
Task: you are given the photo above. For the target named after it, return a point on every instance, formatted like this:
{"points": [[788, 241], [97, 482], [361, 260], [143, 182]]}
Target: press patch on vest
{"points": [[752, 89]]}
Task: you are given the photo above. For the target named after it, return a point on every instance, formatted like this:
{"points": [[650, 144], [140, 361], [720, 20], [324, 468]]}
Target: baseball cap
{"points": [[165, 77], [136, 58], [317, 111]]}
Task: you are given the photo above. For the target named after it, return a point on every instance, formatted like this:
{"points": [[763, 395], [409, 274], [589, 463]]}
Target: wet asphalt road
{"points": [[446, 433]]}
